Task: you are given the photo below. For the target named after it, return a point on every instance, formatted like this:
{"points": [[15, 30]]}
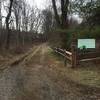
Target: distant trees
{"points": [[38, 20], [22, 23], [25, 16], [48, 21], [17, 10]]}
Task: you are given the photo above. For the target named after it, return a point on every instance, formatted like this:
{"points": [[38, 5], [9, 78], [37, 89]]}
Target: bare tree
{"points": [[48, 21], [62, 20], [17, 9], [56, 13], [33, 18], [25, 16], [36, 20], [7, 24], [64, 10]]}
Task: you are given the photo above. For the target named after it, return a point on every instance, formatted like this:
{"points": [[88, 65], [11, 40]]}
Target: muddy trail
{"points": [[35, 78]]}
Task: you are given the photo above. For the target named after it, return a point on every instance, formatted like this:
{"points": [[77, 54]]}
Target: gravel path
{"points": [[34, 79], [12, 80]]}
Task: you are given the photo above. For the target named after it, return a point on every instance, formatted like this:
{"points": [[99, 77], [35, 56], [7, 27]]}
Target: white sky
{"points": [[42, 4], [39, 3]]}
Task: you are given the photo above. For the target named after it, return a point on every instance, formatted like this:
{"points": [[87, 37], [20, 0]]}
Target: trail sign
{"points": [[87, 43]]}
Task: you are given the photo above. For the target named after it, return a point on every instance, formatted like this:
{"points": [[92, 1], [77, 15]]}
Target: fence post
{"points": [[74, 51], [65, 60]]}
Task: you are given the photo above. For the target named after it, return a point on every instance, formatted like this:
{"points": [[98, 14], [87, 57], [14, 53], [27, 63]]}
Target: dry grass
{"points": [[13, 56], [86, 73]]}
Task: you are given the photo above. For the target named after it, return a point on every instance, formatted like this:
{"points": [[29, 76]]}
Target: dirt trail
{"points": [[12, 78], [36, 79]]}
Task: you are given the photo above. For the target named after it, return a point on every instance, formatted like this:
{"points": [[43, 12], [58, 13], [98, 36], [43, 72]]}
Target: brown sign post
{"points": [[74, 51]]}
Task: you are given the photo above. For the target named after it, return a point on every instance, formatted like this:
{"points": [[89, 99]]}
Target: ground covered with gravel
{"points": [[39, 79]]}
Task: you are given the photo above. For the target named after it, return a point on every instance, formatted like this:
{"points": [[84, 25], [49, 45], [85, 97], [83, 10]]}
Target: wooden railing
{"points": [[76, 57], [66, 54], [88, 56]]}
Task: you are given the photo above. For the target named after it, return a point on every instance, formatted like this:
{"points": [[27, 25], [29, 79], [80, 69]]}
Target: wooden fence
{"points": [[64, 53], [77, 56], [88, 56]]}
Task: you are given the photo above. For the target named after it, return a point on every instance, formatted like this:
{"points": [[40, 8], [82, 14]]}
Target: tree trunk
{"points": [[64, 16], [56, 13], [16, 16], [7, 25]]}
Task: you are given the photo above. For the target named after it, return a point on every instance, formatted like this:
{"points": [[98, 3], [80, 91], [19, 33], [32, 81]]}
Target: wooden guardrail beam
{"points": [[66, 54]]}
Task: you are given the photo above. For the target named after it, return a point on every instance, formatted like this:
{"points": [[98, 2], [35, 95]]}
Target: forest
{"points": [[20, 23], [49, 49]]}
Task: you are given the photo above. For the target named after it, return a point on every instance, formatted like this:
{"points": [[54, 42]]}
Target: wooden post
{"points": [[65, 60], [74, 51]]}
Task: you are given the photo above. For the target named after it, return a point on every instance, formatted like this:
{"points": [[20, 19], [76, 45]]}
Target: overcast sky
{"points": [[41, 4]]}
